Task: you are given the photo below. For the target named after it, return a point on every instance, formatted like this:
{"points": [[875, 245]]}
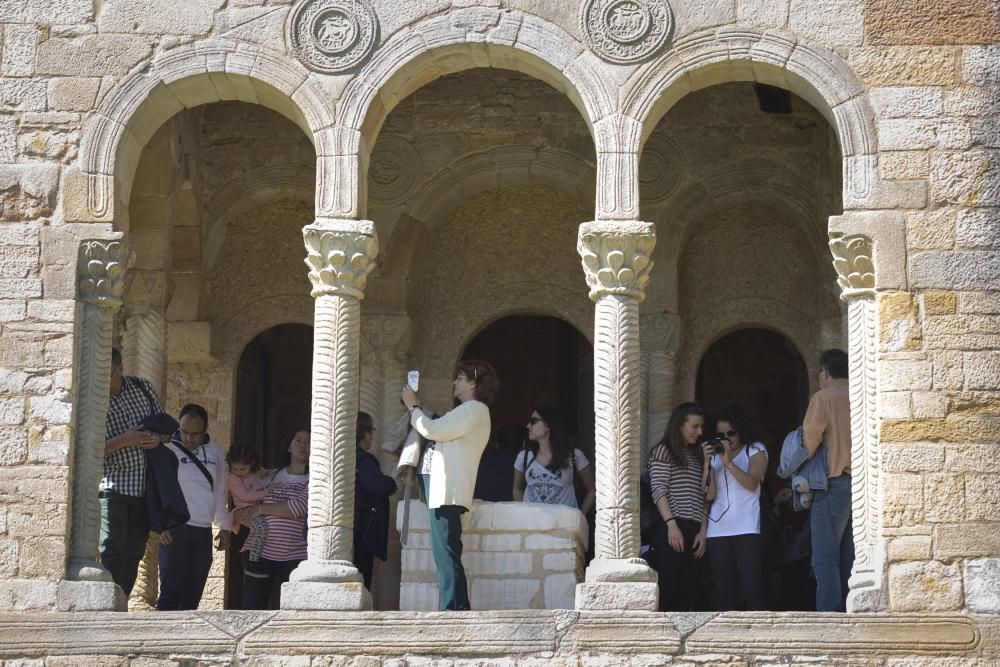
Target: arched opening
{"points": [[273, 397], [761, 371], [543, 361]]}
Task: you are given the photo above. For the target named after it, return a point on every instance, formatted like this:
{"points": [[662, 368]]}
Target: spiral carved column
{"points": [[340, 256], [101, 274], [660, 341], [144, 355], [617, 260], [853, 260]]}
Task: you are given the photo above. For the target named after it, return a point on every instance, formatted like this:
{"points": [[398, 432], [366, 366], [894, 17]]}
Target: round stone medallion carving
{"points": [[626, 31], [393, 171], [333, 36], [659, 168]]}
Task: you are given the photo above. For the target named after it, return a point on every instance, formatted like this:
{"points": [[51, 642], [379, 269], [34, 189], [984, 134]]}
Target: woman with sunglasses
{"points": [[735, 549], [546, 469]]}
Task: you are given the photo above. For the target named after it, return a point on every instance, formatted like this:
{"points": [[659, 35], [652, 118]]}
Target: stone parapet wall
{"points": [[516, 556], [466, 639]]}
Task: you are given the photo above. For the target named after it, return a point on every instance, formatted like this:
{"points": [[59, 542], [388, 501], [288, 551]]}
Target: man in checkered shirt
{"points": [[124, 526]]}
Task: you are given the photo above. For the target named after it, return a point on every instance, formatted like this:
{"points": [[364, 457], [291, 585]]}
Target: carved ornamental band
{"points": [[339, 261], [626, 31], [101, 269], [617, 258], [332, 36], [852, 257]]}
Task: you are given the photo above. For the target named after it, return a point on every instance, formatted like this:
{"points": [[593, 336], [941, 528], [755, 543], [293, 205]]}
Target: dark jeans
{"points": [[679, 573], [832, 543], [446, 545], [184, 566], [365, 562], [124, 530], [738, 565], [260, 577]]}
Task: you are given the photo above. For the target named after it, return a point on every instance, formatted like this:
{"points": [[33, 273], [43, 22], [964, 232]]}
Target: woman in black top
{"points": [[371, 503]]}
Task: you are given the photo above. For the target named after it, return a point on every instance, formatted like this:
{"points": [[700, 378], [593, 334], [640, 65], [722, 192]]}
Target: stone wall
{"points": [[909, 90], [516, 556]]}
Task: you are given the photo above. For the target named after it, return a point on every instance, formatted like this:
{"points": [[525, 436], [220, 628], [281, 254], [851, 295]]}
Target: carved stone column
{"points": [[660, 335], [617, 258], [856, 277], [388, 336], [340, 256], [101, 271]]}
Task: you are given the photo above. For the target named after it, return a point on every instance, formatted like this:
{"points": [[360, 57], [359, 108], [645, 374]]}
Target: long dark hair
{"points": [[241, 454], [742, 423], [672, 443], [561, 450]]}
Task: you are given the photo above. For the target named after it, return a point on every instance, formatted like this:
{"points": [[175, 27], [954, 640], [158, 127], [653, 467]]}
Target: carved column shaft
{"points": [[853, 260], [101, 270], [616, 261], [340, 256], [660, 340]]}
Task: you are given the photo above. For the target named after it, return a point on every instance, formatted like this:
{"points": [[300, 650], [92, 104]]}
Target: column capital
{"points": [[852, 258], [101, 269], [341, 254], [617, 257]]}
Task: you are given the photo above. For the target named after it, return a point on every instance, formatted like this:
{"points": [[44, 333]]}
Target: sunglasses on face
{"points": [[728, 434]]}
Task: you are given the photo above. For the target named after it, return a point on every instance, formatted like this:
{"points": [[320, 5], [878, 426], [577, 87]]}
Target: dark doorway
{"points": [[762, 372], [540, 361], [273, 397]]}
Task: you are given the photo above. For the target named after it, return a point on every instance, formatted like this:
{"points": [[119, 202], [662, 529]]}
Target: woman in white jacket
{"points": [[448, 470], [186, 551]]}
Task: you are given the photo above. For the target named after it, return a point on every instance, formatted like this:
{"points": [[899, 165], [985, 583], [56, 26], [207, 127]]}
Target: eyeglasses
{"points": [[534, 420], [728, 434]]}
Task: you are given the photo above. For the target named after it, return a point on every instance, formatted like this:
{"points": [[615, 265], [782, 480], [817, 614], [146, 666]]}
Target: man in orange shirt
{"points": [[828, 419]]}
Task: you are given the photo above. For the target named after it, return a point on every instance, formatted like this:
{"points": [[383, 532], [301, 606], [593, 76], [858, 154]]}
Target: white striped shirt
{"points": [[683, 488]]}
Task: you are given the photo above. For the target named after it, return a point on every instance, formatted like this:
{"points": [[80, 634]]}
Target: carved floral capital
{"points": [[101, 270], [617, 257], [340, 260], [853, 259]]}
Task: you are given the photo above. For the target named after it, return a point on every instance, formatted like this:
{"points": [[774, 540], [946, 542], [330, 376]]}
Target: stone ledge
{"points": [[244, 635]]}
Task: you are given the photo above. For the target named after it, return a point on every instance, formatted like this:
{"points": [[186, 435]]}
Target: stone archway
{"points": [[273, 395]]}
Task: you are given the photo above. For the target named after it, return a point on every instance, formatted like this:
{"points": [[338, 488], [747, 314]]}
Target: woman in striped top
{"points": [[285, 511], [681, 489]]}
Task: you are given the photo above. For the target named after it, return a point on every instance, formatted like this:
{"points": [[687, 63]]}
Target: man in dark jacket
{"points": [[371, 503]]}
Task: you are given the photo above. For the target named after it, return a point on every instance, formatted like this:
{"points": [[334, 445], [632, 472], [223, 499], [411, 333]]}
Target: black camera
{"points": [[718, 443]]}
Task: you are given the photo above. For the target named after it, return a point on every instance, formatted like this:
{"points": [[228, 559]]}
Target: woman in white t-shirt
{"points": [[735, 550], [546, 470]]}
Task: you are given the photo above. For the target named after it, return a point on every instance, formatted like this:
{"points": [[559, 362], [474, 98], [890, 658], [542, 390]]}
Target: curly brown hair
{"points": [[484, 377]]}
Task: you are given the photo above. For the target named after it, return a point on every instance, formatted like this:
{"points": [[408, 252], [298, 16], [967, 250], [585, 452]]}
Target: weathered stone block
{"points": [[906, 101], [917, 22], [982, 492], [909, 547], [982, 595], [962, 540], [904, 165], [189, 342], [901, 375], [22, 95], [927, 586], [916, 457], [899, 322], [971, 270], [945, 497], [90, 596], [18, 50], [27, 594], [92, 55], [940, 303], [50, 12], [73, 93], [8, 557], [978, 228], [905, 134], [631, 596], [828, 22], [929, 405], [980, 64], [982, 370], [11, 410], [966, 178], [313, 595], [42, 557], [905, 65], [904, 499], [14, 449], [948, 372], [766, 13], [158, 17]]}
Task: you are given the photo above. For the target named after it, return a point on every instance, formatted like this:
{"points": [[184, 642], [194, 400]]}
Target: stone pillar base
{"points": [[325, 596], [620, 595], [90, 596]]}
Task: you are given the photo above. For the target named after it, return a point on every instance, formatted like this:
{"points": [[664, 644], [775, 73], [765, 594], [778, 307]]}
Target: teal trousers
{"points": [[446, 546]]}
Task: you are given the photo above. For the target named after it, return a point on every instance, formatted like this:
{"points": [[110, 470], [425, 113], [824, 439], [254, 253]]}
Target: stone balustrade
{"points": [[516, 556]]}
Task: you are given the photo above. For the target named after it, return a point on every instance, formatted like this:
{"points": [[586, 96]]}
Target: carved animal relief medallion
{"points": [[626, 31], [332, 36]]}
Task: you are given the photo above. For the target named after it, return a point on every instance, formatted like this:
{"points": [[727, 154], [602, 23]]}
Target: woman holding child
{"points": [[283, 509]]}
